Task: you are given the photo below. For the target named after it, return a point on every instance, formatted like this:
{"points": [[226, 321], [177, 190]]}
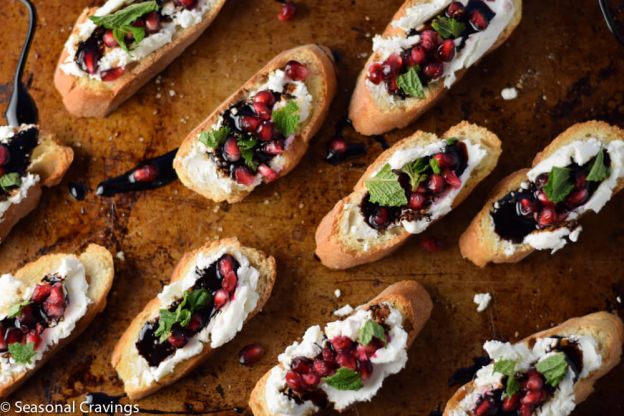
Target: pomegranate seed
{"points": [[53, 311], [57, 296], [455, 10], [287, 12], [577, 198], [446, 51], [231, 151], [250, 354], [543, 199], [3, 344], [41, 292], [187, 4], [393, 86], [293, 380], [323, 368], [5, 155], [266, 131], [229, 282], [533, 398], [296, 71], [579, 181], [342, 343], [196, 322], [221, 297], [338, 145], [262, 110], [431, 244], [109, 40], [225, 265], [485, 408], [381, 216], [146, 173], [547, 217], [269, 174], [244, 176], [27, 315], [526, 206], [140, 22], [534, 381], [90, 60], [34, 338], [541, 180], [301, 364], [451, 178], [418, 55], [478, 20], [274, 147], [311, 380], [250, 123], [417, 200], [112, 74], [265, 97], [346, 360], [328, 354], [526, 410], [366, 369], [152, 22], [429, 39], [177, 339], [13, 335], [433, 70], [511, 403], [376, 73], [393, 65], [436, 184]]}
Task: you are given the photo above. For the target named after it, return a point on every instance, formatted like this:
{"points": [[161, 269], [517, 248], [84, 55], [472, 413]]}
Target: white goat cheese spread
{"points": [[482, 300], [116, 57], [14, 290], [562, 403], [222, 327], [387, 360]]}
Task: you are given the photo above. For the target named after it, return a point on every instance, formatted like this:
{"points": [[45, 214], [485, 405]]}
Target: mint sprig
{"points": [[16, 309], [599, 170], [22, 353], [246, 146], [370, 330], [287, 118], [410, 83], [508, 368], [416, 170], [10, 181], [193, 301], [121, 21], [448, 27], [214, 138], [553, 368], [385, 189], [559, 184], [345, 379]]}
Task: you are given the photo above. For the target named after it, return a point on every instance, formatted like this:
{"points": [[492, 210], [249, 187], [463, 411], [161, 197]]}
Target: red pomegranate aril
{"points": [[418, 55], [244, 176], [140, 22], [394, 63], [27, 315], [346, 360], [225, 265], [478, 20], [579, 181], [323, 368], [527, 206], [541, 179], [485, 408], [417, 200], [13, 335], [533, 398], [250, 354], [455, 10], [526, 410], [196, 322], [57, 296], [187, 4], [338, 145], [53, 311], [229, 282], [275, 147], [446, 50], [294, 381], [221, 297], [90, 60], [577, 198], [342, 343], [112, 74], [266, 131], [250, 123], [547, 217], [328, 354], [301, 365], [451, 178], [231, 151], [376, 73], [296, 71], [109, 40], [381, 216], [365, 369], [152, 22], [262, 111], [177, 339], [534, 381], [145, 173], [267, 173], [34, 338], [265, 97], [3, 344], [429, 39], [287, 12], [5, 155], [431, 244], [393, 85], [311, 380], [436, 184], [543, 198], [433, 70], [511, 403], [41, 292]]}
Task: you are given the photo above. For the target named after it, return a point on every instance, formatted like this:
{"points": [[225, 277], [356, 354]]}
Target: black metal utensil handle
{"points": [[612, 24]]}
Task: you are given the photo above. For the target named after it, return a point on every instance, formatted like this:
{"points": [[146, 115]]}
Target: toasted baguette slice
{"points": [[321, 84], [126, 358], [99, 273], [480, 243], [87, 97], [338, 248], [50, 161], [372, 114], [408, 297], [604, 327]]}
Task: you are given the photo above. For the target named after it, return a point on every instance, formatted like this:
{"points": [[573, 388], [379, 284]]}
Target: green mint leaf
{"points": [[385, 189], [22, 353], [286, 119], [183, 317], [447, 27], [345, 379], [10, 181], [248, 157], [416, 170], [16, 309], [197, 299], [138, 34], [370, 330], [410, 83], [599, 171], [508, 368], [214, 138], [165, 323], [559, 184], [120, 36], [125, 16], [435, 166], [553, 368], [246, 143], [513, 386], [452, 141]]}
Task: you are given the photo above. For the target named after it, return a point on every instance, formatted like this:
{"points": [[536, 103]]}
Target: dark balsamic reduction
{"points": [[463, 375], [334, 156], [20, 149], [78, 190], [165, 174]]}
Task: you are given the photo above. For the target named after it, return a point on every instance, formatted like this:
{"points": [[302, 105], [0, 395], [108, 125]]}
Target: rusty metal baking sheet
{"points": [[567, 68]]}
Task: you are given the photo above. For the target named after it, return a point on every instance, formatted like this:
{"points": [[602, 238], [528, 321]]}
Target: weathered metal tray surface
{"points": [[568, 68]]}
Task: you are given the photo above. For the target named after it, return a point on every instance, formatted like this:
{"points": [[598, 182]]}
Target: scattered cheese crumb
{"points": [[172, 93], [482, 300], [337, 293], [344, 311], [509, 93], [619, 299], [121, 255]]}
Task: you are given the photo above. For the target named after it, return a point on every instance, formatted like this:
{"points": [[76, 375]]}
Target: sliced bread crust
{"points": [[338, 250], [479, 243], [371, 117], [125, 353]]}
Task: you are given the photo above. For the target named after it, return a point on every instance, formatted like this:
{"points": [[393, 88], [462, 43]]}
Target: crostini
{"points": [[347, 361], [45, 305], [412, 184], [262, 131], [548, 373], [28, 160], [426, 48], [214, 290], [117, 48], [539, 208]]}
